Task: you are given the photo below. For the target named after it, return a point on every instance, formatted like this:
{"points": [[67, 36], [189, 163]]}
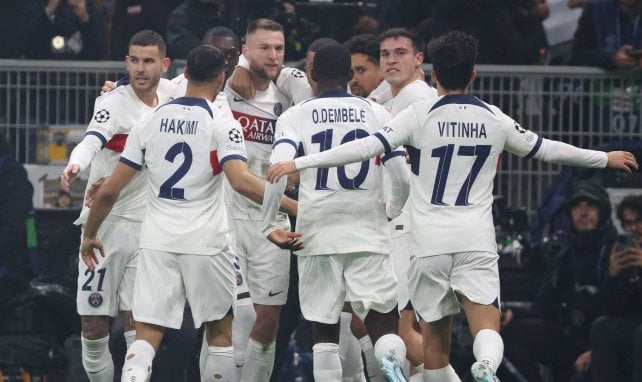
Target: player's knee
{"points": [[94, 327]]}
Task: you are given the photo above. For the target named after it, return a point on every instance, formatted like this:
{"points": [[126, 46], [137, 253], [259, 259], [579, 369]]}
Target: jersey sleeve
{"points": [[285, 135], [398, 131], [520, 141], [228, 139], [294, 83], [104, 123], [134, 153]]}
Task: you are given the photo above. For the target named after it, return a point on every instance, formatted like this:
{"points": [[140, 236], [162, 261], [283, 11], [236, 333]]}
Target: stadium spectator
{"points": [[608, 35], [616, 338], [509, 32], [567, 302], [61, 29], [188, 23], [127, 17]]}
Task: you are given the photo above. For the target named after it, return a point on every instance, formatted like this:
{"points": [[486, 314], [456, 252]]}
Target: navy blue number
{"points": [[445, 155], [324, 139], [167, 190], [91, 274]]}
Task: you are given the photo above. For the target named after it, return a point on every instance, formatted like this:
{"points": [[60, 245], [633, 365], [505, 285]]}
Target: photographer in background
{"points": [[608, 35], [616, 338], [567, 301]]}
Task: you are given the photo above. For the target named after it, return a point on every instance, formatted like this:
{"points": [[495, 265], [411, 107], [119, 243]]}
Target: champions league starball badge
{"points": [[235, 136], [101, 116], [95, 300]]}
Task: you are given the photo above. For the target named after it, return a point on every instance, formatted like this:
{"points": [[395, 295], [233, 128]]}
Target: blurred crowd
{"points": [[510, 32]]}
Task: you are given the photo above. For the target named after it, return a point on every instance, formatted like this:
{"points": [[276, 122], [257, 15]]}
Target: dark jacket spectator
{"points": [[131, 16], [607, 33], [493, 23], [188, 23], [57, 29]]}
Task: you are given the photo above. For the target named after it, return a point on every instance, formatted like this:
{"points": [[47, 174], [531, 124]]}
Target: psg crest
{"points": [[95, 300], [101, 116], [278, 108]]}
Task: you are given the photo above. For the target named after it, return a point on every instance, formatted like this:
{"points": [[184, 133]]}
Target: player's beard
{"points": [[260, 72]]}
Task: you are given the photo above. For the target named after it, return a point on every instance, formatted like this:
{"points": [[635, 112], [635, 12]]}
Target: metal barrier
{"points": [[45, 102]]}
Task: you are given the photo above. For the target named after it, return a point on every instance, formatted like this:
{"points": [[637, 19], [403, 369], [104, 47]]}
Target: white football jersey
{"points": [[327, 194], [181, 87], [454, 143], [115, 114], [184, 146], [417, 90], [258, 120], [294, 83]]}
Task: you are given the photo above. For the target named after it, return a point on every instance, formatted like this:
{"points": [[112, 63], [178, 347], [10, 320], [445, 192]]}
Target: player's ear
{"points": [[473, 76], [433, 77], [186, 73], [314, 77], [166, 62]]}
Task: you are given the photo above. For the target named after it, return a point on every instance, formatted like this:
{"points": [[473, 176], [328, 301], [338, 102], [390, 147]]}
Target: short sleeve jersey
{"points": [[184, 147], [115, 115], [454, 143], [325, 194], [258, 120]]}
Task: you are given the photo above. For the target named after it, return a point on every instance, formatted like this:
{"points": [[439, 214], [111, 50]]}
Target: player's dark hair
{"points": [[453, 57], [418, 43], [148, 38], [630, 202], [265, 24], [220, 32], [204, 63], [332, 66], [320, 43], [366, 44]]}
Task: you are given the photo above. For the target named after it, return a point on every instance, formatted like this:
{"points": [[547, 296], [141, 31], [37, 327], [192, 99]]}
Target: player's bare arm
{"points": [[105, 199], [92, 190], [241, 82], [251, 186], [622, 160]]}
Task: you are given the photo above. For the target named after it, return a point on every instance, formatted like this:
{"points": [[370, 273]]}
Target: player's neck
{"points": [[206, 92], [260, 83], [148, 97]]}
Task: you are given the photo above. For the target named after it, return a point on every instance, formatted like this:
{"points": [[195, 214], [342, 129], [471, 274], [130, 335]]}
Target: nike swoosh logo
{"points": [[275, 293], [96, 372], [238, 99], [241, 365]]}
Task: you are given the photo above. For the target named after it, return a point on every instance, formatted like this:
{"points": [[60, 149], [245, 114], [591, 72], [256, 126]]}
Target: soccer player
{"points": [[364, 54], [354, 265], [104, 291], [455, 142], [266, 266], [185, 247], [401, 57]]}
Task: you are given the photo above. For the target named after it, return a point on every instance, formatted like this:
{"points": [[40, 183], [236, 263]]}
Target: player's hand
{"points": [[622, 160], [88, 249], [280, 169], [286, 240], [69, 175], [241, 82], [90, 196], [583, 362], [293, 179], [107, 87]]}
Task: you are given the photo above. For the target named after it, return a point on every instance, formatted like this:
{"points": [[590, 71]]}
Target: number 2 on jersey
{"points": [[324, 139], [445, 155], [167, 190]]}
